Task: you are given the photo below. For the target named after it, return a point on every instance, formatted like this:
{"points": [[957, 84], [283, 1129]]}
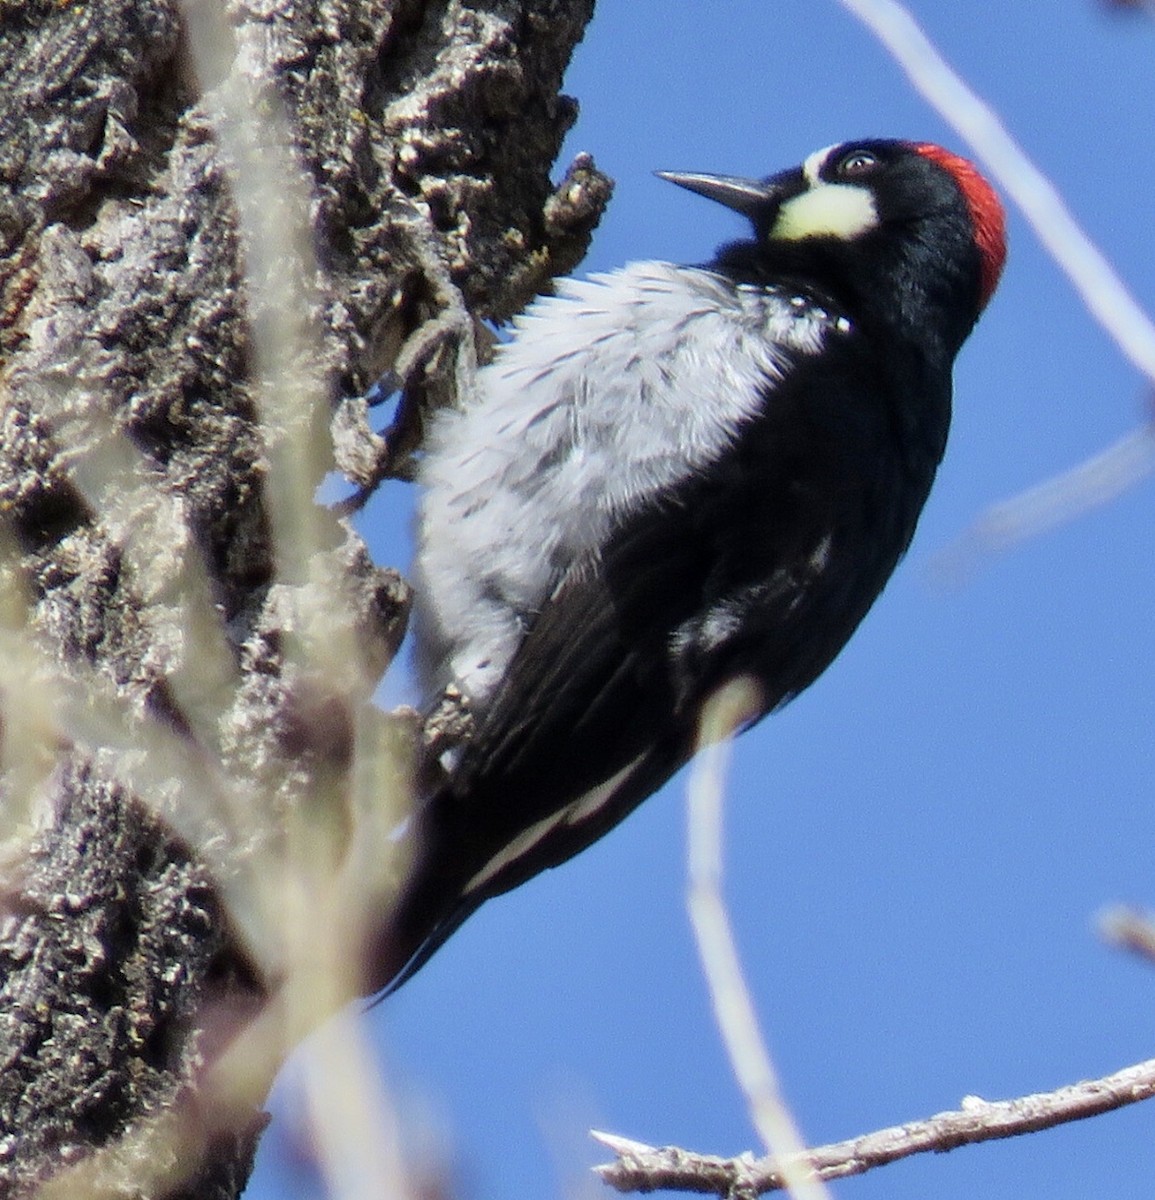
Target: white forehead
{"points": [[812, 167]]}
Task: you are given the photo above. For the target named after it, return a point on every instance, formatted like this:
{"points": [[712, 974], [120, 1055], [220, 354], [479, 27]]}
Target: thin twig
{"points": [[1129, 929], [722, 716], [1104, 293], [642, 1168], [1106, 296], [1091, 484], [352, 1117]]}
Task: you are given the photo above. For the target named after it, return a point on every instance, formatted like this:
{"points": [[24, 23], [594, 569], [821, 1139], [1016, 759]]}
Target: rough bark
{"points": [[187, 672]]}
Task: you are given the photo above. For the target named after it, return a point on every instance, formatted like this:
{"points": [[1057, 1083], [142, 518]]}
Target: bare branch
{"points": [[642, 1168], [722, 716]]}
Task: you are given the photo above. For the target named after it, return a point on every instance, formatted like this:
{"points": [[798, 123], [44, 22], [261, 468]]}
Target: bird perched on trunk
{"points": [[673, 477]]}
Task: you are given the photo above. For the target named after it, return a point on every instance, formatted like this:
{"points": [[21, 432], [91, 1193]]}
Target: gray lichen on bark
{"points": [[172, 706]]}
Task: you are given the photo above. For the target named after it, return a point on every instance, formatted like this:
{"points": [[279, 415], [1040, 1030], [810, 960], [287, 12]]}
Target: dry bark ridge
{"points": [[173, 706]]}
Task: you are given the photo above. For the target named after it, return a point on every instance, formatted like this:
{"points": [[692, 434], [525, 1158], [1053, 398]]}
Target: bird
{"points": [[673, 477]]}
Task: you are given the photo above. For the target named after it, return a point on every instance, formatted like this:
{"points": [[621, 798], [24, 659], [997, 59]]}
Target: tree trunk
{"points": [[214, 226]]}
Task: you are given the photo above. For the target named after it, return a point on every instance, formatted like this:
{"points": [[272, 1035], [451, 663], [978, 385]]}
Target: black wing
{"points": [[763, 565], [588, 695]]}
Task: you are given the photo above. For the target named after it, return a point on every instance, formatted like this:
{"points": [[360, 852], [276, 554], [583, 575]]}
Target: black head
{"points": [[904, 233]]}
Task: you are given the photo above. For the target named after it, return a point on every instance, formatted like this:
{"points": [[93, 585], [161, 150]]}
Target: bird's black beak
{"points": [[751, 197]]}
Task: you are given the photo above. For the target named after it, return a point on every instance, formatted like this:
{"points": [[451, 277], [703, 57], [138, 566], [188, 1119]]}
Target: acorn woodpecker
{"points": [[672, 477]]}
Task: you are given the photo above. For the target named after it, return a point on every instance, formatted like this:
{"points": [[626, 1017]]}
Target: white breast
{"points": [[610, 393]]}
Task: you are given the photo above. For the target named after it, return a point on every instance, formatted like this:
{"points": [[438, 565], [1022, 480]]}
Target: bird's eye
{"points": [[856, 164]]}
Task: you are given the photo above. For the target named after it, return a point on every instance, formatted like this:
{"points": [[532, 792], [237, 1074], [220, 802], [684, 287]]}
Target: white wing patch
{"points": [[608, 394], [573, 814]]}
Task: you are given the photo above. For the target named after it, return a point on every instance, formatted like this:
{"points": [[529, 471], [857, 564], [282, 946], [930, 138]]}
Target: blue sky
{"points": [[917, 848]]}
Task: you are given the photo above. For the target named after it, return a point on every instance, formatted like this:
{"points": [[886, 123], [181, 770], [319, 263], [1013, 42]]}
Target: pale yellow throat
{"points": [[838, 210]]}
